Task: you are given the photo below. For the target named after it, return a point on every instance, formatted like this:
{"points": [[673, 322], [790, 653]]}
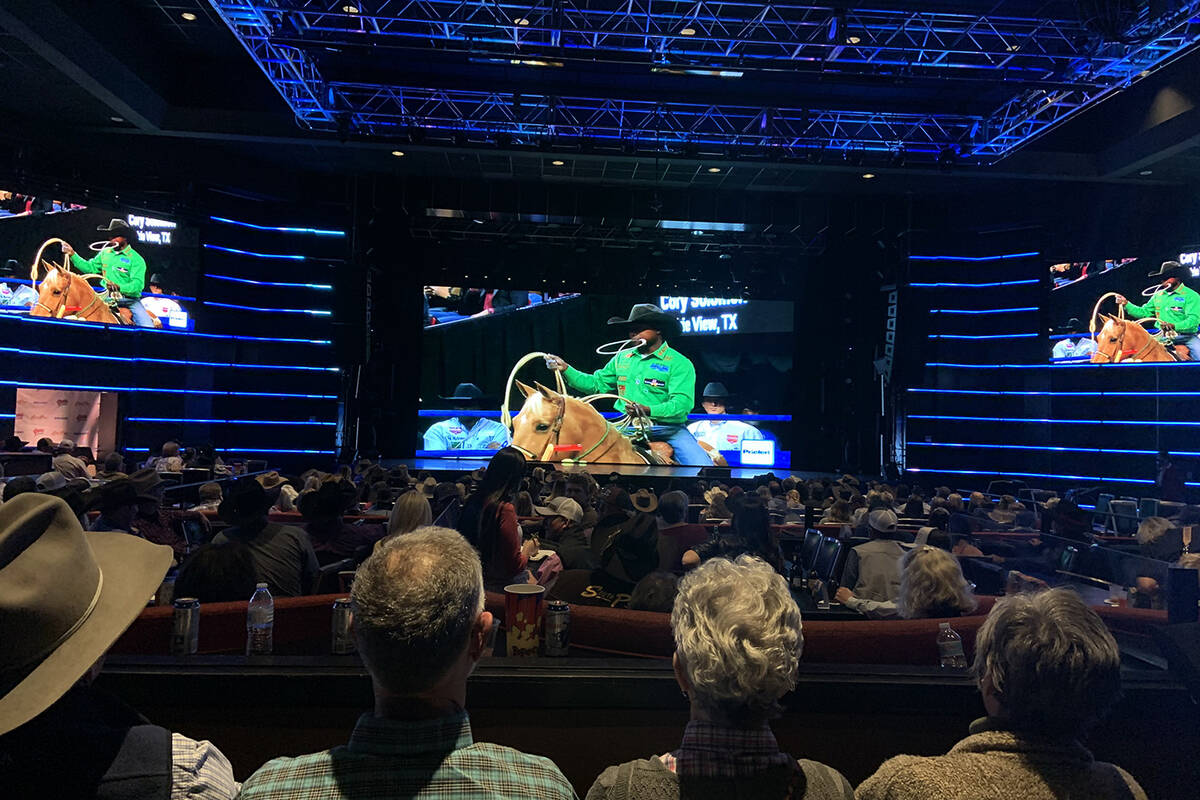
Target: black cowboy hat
{"points": [[715, 390], [1171, 269], [332, 499], [649, 316], [13, 444], [117, 227], [246, 502], [467, 393], [155, 280], [1073, 325]]}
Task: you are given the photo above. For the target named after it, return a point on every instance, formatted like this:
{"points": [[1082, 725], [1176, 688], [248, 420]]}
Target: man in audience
{"points": [[210, 497], [169, 461], [66, 462], [675, 535], [283, 555], [65, 597], [117, 502], [421, 627], [563, 531], [872, 570], [1048, 670], [113, 466], [582, 488]]}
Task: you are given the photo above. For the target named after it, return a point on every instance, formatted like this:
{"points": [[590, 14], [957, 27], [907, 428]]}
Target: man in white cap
{"points": [[872, 570], [60, 736], [66, 462]]}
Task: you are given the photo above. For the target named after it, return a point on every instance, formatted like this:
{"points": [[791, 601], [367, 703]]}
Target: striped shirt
{"points": [[432, 759]]}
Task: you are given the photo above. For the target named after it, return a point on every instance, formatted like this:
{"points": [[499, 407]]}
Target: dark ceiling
{"points": [[135, 79]]}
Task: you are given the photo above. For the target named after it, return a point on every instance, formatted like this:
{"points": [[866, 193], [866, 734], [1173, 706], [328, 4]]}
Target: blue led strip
{"points": [[1030, 475], [150, 389], [313, 231], [1057, 421], [1021, 393], [974, 285], [230, 421], [982, 336], [8, 416], [106, 327], [1052, 449], [974, 258], [983, 311], [323, 286], [179, 362], [313, 312], [238, 252], [433, 412]]}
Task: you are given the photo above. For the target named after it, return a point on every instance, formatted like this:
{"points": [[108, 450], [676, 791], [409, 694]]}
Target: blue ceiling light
{"points": [[1059, 68]]}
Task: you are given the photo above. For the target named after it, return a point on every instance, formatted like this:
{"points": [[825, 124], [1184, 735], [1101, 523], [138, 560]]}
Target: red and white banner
{"points": [[87, 418]]}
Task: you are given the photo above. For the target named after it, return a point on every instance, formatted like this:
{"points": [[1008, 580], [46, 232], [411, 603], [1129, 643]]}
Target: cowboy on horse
{"points": [[655, 381], [1174, 305], [122, 268]]}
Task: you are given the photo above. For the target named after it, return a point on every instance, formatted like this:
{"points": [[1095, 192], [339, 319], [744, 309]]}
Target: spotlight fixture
{"points": [[1146, 172], [521, 21], [714, 170], [868, 176], [853, 40], [188, 16], [117, 119], [349, 9], [398, 153], [688, 31], [1012, 48], [558, 162]]}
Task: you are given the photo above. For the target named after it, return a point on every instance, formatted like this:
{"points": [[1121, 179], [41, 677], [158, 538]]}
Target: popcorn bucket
{"points": [[523, 610]]}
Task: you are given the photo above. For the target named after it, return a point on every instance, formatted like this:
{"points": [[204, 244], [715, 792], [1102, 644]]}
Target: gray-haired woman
{"points": [[737, 651], [1047, 669]]}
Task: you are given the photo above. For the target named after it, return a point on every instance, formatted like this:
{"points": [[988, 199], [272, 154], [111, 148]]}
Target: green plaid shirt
{"points": [[435, 759]]}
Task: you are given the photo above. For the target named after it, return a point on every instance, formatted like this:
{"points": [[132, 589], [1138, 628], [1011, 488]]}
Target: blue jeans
{"points": [[141, 317], [688, 451], [1192, 342]]}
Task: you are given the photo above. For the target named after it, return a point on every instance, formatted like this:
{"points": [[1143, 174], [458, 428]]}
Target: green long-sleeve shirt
{"points": [[1181, 308], [664, 381], [125, 269]]}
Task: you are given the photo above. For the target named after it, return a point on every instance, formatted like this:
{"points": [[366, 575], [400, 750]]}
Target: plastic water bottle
{"points": [[950, 647], [260, 622]]}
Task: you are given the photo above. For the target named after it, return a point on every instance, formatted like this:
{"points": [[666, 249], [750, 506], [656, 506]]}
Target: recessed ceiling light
{"points": [[714, 169], [117, 119], [188, 16], [398, 153], [868, 175], [1012, 48], [520, 21], [853, 40], [557, 163], [688, 32], [1146, 172], [349, 9]]}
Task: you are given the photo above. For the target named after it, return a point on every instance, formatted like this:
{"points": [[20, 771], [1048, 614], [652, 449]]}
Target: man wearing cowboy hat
{"points": [[158, 304], [464, 431], [721, 434], [655, 380], [123, 268], [1076, 345], [1174, 305], [59, 736]]}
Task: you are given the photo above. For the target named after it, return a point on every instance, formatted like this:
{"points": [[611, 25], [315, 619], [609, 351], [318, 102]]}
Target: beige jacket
{"points": [[995, 764]]}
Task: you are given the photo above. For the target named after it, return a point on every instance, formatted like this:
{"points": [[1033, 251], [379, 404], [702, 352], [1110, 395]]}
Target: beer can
{"points": [[185, 633], [165, 595], [343, 636], [558, 628]]}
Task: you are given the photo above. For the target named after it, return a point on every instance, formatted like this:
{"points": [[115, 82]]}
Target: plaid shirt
{"points": [[435, 759], [712, 751]]}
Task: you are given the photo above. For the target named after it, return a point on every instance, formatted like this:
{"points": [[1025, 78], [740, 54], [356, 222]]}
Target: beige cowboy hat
{"points": [[271, 480], [53, 629], [644, 500]]}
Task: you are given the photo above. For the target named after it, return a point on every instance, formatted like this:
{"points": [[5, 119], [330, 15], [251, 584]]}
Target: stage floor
{"points": [[457, 466]]}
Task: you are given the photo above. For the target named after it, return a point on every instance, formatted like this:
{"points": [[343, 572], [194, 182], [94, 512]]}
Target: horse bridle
{"points": [[1121, 353], [60, 311], [552, 445]]}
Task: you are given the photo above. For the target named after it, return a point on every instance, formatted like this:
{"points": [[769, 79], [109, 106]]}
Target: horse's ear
{"points": [[546, 392], [525, 390]]}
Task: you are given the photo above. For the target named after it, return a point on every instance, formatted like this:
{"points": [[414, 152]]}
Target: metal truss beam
{"points": [[1029, 53]]}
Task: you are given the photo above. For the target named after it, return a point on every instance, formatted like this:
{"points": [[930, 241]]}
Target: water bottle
{"points": [[950, 647], [260, 622]]}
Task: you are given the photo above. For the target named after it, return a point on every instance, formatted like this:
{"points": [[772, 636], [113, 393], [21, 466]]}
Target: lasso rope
{"points": [[33, 270]]}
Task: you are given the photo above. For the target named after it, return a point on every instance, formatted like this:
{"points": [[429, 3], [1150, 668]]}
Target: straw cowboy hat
{"points": [[644, 500], [54, 630]]}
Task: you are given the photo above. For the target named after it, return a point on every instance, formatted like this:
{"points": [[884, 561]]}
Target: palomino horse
{"points": [[553, 427], [1125, 340], [64, 294]]}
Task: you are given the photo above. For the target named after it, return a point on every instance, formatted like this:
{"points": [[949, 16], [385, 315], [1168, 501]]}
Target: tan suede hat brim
{"points": [[132, 568]]}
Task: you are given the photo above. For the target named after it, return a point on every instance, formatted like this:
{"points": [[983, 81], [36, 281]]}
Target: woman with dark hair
{"points": [[750, 534], [489, 521]]}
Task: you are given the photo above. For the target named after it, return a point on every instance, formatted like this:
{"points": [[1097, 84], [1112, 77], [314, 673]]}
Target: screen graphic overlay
{"points": [[716, 382], [140, 265]]}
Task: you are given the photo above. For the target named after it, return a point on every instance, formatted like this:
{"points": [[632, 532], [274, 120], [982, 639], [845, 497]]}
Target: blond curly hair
{"points": [[932, 585]]}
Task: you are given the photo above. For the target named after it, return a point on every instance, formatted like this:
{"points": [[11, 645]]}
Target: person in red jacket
{"points": [[489, 521]]}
